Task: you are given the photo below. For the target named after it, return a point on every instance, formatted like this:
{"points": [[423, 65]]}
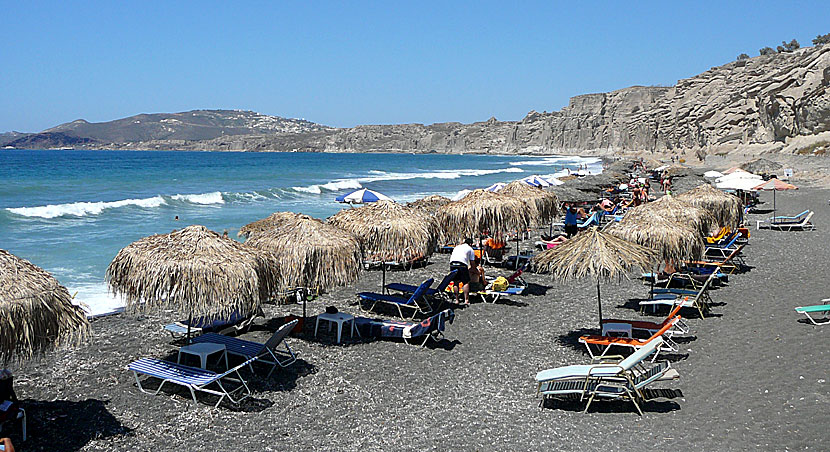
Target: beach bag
{"points": [[500, 284]]}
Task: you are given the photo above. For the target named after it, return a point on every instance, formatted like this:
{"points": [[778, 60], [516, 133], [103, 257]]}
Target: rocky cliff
{"points": [[762, 100]]}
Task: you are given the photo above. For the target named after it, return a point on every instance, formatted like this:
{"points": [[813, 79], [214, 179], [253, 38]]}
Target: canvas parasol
{"points": [[194, 271], [389, 231], [596, 254], [726, 208], [310, 253], [774, 185], [36, 312]]}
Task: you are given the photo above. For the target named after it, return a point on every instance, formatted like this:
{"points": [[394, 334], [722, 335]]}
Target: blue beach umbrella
{"points": [[536, 181], [361, 196]]}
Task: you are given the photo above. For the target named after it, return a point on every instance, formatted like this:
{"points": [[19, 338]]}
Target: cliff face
{"points": [[762, 100]]}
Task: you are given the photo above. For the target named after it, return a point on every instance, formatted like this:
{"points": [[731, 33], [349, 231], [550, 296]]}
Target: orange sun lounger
{"points": [[610, 341], [624, 328]]}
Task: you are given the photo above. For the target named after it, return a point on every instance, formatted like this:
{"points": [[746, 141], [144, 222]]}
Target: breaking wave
{"points": [[80, 209]]}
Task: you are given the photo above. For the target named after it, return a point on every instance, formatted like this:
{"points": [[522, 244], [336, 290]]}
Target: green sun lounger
{"points": [[822, 308]]}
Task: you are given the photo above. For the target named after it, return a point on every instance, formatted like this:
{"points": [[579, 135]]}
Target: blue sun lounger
{"points": [[265, 353], [431, 328], [822, 308], [417, 301], [193, 378], [234, 323], [439, 290]]}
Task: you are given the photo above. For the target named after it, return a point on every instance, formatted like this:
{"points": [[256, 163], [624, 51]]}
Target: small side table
{"points": [[203, 350], [340, 318]]}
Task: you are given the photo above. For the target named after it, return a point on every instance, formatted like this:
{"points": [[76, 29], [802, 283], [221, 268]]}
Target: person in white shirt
{"points": [[460, 260]]}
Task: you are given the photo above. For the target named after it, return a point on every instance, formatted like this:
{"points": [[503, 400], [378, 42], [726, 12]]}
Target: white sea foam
{"points": [[553, 161], [96, 299], [80, 209], [202, 198]]}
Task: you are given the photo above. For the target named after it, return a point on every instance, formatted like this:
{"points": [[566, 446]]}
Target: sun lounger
{"points": [[416, 302], [438, 291], [624, 379], [606, 342], [803, 225], [789, 219], [234, 323], [626, 328], [824, 309], [266, 353], [431, 328], [699, 302], [722, 251], [722, 264], [193, 378]]}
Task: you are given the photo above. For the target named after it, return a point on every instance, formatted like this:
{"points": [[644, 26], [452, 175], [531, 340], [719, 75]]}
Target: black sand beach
{"points": [[753, 374]]}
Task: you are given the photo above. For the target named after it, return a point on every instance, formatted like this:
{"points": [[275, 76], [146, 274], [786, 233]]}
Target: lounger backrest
{"points": [[279, 336], [807, 218], [420, 291], [673, 313], [640, 355], [733, 254], [667, 326], [512, 278], [446, 281]]}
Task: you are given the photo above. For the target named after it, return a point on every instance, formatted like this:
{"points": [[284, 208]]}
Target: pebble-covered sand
{"points": [[753, 374]]}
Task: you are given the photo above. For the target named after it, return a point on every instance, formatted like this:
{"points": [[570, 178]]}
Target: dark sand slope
{"points": [[754, 377]]}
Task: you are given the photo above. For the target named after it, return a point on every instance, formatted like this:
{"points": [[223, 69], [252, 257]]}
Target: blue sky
{"points": [[349, 63]]}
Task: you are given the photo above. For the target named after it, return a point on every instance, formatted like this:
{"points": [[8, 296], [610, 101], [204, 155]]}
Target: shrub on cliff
{"points": [[788, 46], [767, 51], [743, 56], [821, 40]]}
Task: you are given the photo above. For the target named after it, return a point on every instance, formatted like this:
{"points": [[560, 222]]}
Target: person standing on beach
{"points": [[570, 221], [460, 260]]}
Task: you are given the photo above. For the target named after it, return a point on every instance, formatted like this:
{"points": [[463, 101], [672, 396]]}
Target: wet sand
{"points": [[753, 374]]}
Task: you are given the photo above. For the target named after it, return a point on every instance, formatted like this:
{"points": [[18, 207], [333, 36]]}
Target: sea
{"points": [[70, 211]]}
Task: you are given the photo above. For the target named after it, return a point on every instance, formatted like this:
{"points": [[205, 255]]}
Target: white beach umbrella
{"points": [[739, 176], [738, 184], [495, 188], [460, 195], [361, 196], [713, 174], [553, 181]]}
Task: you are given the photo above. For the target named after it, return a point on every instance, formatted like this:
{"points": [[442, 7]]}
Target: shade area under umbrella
{"points": [[310, 253], [194, 271], [726, 208], [388, 231], [362, 196], [36, 311], [596, 254]]}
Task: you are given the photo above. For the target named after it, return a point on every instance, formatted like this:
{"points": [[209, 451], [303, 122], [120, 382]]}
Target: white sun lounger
{"points": [[265, 353]]}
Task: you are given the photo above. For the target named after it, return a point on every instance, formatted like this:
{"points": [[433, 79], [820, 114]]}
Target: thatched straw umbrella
{"points": [[310, 253], [594, 253], [481, 210], [682, 212], [389, 230], [543, 205], [36, 312], [726, 208], [194, 271], [429, 204], [274, 220]]}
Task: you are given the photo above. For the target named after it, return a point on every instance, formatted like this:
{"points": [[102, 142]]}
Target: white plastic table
{"points": [[340, 318], [203, 350]]}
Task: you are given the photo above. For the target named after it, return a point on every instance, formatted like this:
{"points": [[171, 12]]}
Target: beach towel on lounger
{"points": [[383, 328]]}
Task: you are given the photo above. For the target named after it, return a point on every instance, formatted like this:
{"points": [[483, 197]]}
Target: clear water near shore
{"points": [[71, 211]]}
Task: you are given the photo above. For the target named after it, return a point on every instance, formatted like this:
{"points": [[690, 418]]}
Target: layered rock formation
{"points": [[762, 100]]}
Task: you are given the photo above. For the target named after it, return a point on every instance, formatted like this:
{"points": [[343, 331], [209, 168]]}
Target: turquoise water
{"points": [[71, 211]]}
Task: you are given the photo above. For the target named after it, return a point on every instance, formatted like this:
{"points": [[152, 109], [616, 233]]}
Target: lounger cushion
{"points": [[168, 370], [815, 308], [371, 296], [232, 345], [578, 371]]}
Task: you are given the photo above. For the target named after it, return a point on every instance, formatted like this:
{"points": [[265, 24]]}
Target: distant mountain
{"points": [[196, 125], [8, 137]]}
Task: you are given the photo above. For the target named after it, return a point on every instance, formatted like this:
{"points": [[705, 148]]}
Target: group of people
{"points": [[469, 270]]}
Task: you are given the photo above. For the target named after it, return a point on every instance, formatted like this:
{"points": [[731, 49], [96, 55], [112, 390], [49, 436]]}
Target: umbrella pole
{"points": [[383, 267], [773, 202], [517, 249], [599, 305], [189, 322]]}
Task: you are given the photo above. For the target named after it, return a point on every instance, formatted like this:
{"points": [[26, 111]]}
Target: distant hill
{"points": [[196, 125]]}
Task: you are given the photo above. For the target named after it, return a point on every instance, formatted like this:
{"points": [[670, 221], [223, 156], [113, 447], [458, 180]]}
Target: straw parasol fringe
{"points": [[194, 271], [543, 205], [310, 253], [481, 210], [388, 230], [36, 312], [673, 241], [272, 221], [679, 211], [727, 209]]}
